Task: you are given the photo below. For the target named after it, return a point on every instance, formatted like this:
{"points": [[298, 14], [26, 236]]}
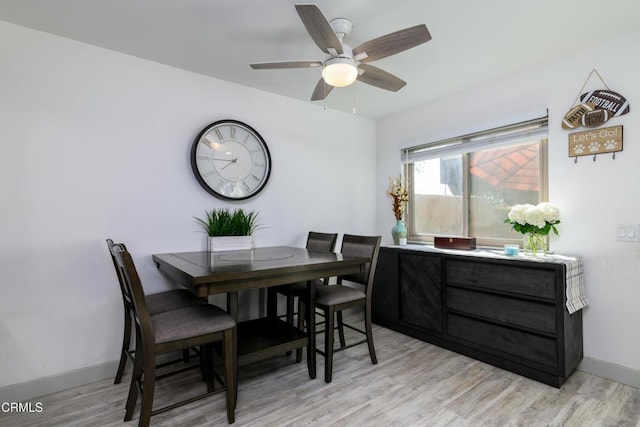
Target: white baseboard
{"points": [[42, 386], [610, 371]]}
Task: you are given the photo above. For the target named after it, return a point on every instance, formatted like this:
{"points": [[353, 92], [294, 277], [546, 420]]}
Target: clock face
{"points": [[231, 160]]}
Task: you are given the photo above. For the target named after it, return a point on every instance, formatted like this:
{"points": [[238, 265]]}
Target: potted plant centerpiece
{"points": [[229, 231]]}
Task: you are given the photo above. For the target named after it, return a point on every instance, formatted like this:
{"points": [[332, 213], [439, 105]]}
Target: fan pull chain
{"points": [[324, 98], [354, 98]]}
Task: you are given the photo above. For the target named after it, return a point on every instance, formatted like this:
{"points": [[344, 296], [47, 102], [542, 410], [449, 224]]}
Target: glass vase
{"points": [[399, 233], [534, 242]]}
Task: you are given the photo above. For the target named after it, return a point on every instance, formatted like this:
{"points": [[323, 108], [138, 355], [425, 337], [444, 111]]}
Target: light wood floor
{"points": [[413, 384]]}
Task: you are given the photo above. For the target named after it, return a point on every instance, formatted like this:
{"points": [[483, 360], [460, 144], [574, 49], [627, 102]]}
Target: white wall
{"points": [[594, 197], [95, 144]]}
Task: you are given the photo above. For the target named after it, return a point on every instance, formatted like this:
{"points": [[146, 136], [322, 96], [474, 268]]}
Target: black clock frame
{"points": [[203, 183]]}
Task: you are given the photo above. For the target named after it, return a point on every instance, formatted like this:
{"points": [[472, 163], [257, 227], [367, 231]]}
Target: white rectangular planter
{"points": [[230, 243]]}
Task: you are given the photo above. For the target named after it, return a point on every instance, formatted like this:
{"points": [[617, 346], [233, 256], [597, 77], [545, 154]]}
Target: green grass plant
{"points": [[223, 222]]}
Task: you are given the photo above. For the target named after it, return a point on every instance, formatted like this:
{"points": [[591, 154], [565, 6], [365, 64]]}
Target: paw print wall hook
{"points": [[596, 141]]}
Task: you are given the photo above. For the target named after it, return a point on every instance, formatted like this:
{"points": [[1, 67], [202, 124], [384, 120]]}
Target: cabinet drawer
{"points": [[498, 339], [518, 280], [529, 314]]}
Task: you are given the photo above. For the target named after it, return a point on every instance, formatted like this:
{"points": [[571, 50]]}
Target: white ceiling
{"points": [[474, 41]]}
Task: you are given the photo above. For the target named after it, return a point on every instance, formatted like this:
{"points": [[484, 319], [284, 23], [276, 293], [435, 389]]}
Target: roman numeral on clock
{"points": [[210, 144]]}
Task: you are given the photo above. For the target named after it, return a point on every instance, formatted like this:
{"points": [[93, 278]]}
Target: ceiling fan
{"points": [[343, 65]]}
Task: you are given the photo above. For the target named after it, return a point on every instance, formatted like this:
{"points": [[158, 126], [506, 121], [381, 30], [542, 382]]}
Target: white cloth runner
{"points": [[576, 293]]}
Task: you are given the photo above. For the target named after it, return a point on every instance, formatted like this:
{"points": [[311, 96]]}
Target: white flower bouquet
{"points": [[535, 221]]}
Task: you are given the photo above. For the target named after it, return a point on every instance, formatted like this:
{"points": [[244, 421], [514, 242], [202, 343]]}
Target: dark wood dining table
{"points": [[209, 273]]}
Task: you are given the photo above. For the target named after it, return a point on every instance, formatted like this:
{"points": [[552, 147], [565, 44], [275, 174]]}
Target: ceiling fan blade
{"points": [[380, 78], [392, 43], [285, 64], [319, 28], [321, 91]]}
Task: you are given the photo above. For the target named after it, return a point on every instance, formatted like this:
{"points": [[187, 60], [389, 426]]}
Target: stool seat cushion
{"points": [[337, 294], [190, 322]]}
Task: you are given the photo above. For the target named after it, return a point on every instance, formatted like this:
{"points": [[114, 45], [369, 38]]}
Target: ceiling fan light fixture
{"points": [[340, 72]]}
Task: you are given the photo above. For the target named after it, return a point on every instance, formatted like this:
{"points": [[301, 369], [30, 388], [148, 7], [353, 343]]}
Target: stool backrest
{"points": [[126, 296], [361, 246], [133, 286], [321, 242]]}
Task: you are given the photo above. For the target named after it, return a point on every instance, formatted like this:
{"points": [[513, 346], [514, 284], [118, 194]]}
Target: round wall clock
{"points": [[231, 160]]}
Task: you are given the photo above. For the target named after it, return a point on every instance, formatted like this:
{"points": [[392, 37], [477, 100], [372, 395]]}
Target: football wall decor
{"points": [[596, 107], [607, 100]]}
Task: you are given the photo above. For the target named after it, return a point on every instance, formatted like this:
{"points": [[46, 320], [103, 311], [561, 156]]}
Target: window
{"points": [[466, 186]]}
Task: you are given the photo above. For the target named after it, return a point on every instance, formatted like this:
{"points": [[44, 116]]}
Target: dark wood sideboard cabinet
{"points": [[508, 312]]}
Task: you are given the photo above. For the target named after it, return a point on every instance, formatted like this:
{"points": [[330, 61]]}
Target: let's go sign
{"points": [[597, 141]]}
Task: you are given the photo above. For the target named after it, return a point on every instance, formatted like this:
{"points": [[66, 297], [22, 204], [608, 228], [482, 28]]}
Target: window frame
{"points": [[458, 145]]}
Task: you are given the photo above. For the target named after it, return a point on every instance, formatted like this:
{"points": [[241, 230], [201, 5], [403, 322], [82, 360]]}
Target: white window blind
{"points": [[494, 138]]}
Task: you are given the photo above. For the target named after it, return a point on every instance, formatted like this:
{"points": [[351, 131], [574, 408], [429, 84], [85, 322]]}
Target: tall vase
{"points": [[534, 242], [399, 233]]}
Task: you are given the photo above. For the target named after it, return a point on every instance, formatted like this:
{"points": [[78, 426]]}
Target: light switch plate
{"points": [[628, 233]]}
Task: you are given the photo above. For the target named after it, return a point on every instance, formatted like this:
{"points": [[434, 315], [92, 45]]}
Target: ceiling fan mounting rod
{"points": [[342, 27]]}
